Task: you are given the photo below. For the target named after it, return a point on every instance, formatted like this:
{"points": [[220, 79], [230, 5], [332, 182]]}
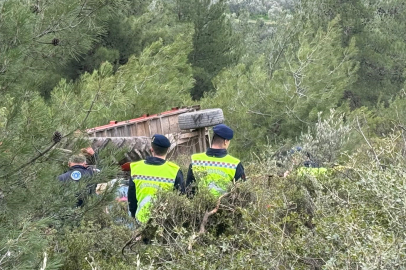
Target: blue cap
{"points": [[161, 141], [223, 131]]}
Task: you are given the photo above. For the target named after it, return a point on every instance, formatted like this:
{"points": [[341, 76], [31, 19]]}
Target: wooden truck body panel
{"points": [[136, 134]]}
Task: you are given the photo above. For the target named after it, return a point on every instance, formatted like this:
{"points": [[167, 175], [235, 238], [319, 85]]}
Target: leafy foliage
{"points": [[215, 45]]}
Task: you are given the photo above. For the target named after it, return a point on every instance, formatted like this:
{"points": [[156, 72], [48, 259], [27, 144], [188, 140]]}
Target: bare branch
{"points": [[44, 263], [366, 140], [259, 113], [135, 238], [210, 213], [206, 216]]}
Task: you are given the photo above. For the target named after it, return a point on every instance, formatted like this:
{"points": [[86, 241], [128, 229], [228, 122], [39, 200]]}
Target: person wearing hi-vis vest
{"points": [[150, 175], [308, 167], [215, 169]]}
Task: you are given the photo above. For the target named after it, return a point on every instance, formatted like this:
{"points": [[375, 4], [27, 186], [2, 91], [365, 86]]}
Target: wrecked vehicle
{"points": [[185, 127]]}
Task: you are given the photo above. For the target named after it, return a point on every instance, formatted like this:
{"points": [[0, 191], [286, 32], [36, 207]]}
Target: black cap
{"points": [[223, 131], [161, 141]]}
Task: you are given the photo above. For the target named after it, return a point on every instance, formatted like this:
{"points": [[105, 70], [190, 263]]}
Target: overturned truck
{"points": [[185, 127]]}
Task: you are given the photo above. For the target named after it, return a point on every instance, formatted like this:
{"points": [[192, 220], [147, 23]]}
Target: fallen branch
{"points": [[135, 238], [55, 142], [210, 213], [206, 216]]}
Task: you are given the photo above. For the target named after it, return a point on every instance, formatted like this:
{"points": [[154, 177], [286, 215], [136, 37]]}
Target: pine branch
{"points": [[33, 145], [42, 153], [31, 161], [285, 41], [88, 112], [52, 29]]}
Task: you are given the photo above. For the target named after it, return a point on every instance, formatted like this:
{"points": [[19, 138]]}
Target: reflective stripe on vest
{"points": [[214, 187], [148, 179], [142, 213], [214, 172]]}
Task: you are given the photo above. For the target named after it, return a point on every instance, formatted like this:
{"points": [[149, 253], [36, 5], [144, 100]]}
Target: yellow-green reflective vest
{"points": [[148, 179], [214, 172], [311, 171]]}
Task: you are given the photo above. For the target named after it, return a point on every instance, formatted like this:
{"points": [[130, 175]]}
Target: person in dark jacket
{"points": [[77, 171], [150, 175], [218, 167]]}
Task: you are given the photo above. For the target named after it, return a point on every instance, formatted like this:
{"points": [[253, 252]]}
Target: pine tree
{"points": [[383, 53], [215, 45], [311, 78], [39, 37], [36, 210], [376, 27], [158, 79], [130, 29]]}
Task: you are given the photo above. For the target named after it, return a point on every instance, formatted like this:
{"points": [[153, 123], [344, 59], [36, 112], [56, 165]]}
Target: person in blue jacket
{"points": [[77, 172], [77, 169]]}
